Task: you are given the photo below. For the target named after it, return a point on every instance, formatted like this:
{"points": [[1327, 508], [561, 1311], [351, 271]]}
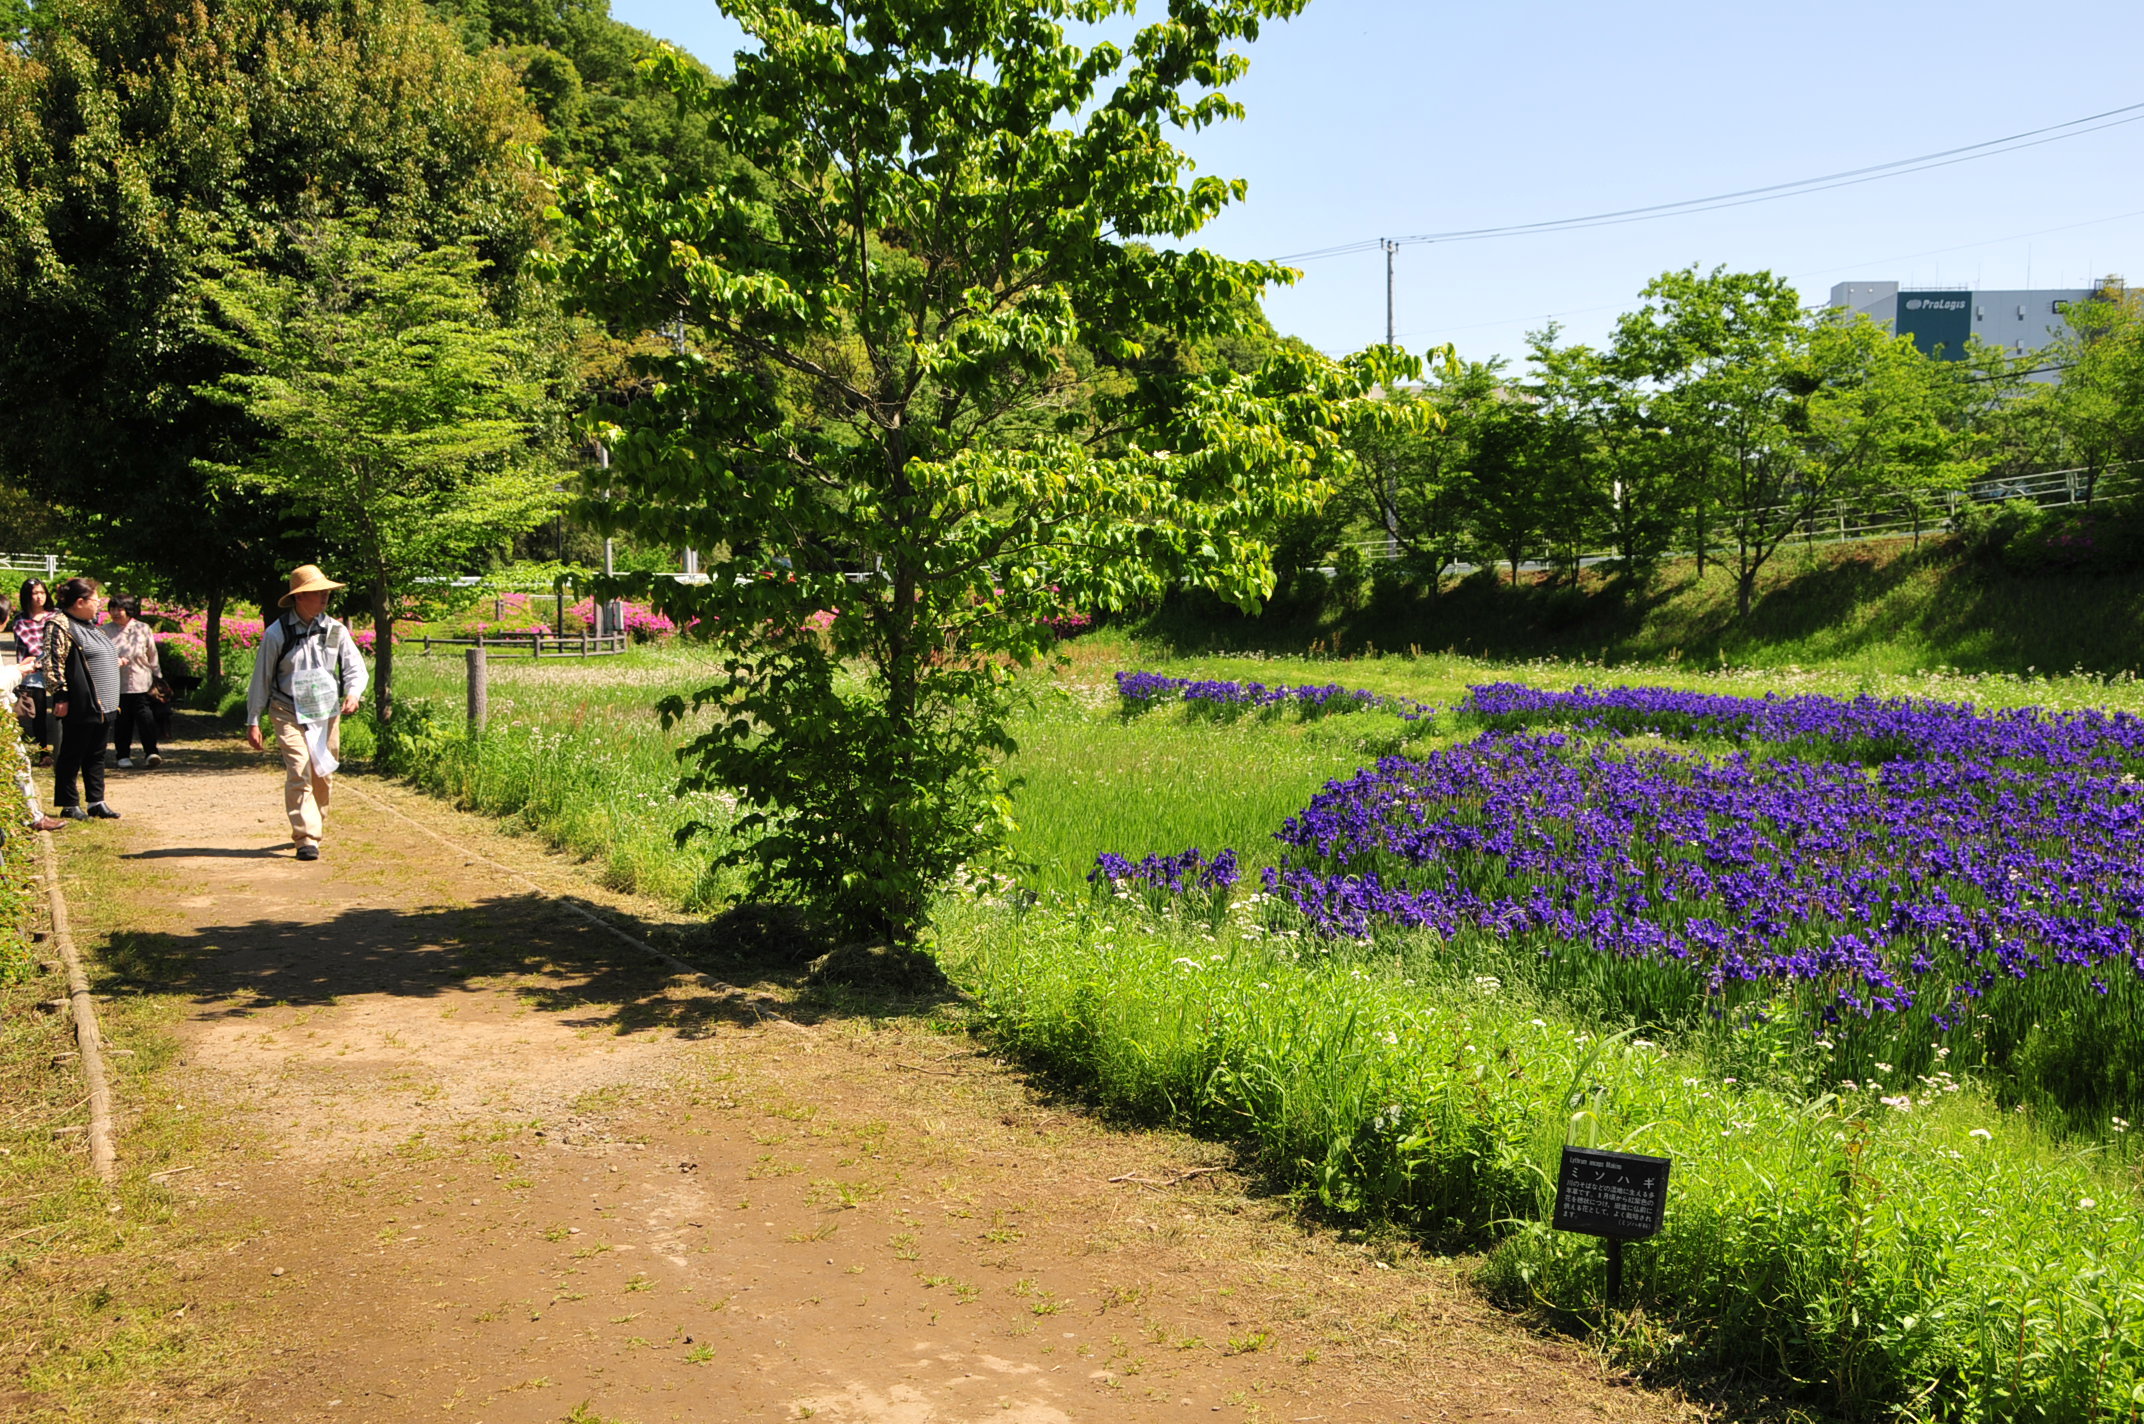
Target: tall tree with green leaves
{"points": [[1631, 495], [1880, 423], [145, 145], [2099, 406], [406, 421], [588, 76], [881, 409], [1718, 349]]}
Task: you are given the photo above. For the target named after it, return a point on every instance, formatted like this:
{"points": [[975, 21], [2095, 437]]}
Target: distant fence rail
{"points": [[1845, 521], [531, 645]]}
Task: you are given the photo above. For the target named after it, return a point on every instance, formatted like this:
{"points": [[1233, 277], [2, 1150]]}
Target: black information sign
{"points": [[1614, 1194]]}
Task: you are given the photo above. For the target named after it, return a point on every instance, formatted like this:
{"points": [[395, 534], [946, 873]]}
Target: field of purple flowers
{"points": [[1913, 884], [1143, 691]]}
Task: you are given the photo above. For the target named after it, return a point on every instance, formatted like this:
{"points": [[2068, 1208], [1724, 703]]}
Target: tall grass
{"points": [[1944, 1261], [573, 754]]}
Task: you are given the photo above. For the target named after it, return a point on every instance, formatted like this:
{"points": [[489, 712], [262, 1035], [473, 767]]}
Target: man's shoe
{"points": [[48, 823], [155, 760], [126, 763], [74, 813], [308, 851], [103, 812]]}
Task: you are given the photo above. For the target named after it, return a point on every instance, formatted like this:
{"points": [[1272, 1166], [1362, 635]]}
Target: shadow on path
{"points": [[550, 961]]}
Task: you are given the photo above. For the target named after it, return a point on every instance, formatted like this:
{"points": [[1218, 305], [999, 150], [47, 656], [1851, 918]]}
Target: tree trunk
{"points": [[383, 652], [213, 671]]}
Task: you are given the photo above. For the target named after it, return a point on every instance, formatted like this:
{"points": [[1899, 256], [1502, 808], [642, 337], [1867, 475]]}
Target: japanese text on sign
{"points": [[1616, 1194]]}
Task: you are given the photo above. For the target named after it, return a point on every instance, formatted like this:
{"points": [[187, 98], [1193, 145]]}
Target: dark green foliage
{"points": [[586, 74], [146, 147]]}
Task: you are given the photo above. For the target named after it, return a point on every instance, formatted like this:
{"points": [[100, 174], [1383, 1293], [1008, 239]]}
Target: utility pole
{"points": [[1385, 493], [1390, 247]]}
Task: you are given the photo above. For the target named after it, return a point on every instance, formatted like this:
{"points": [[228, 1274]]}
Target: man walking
{"points": [[307, 676]]}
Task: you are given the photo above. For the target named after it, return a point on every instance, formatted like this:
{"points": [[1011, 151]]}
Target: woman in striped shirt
{"points": [[34, 611]]}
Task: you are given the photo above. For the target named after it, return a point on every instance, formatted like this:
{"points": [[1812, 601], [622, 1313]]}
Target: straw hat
{"points": [[307, 578]]}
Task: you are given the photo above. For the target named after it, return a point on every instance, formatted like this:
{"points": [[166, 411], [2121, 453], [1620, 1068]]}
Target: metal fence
{"points": [[534, 645], [1845, 521]]}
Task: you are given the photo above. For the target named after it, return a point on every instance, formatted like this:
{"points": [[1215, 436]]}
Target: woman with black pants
{"points": [[32, 615], [82, 677], [140, 668]]}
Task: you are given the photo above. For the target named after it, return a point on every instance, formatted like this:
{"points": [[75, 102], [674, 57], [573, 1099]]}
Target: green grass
{"points": [[1943, 1262], [1880, 606], [102, 1317], [1932, 1263], [573, 754]]}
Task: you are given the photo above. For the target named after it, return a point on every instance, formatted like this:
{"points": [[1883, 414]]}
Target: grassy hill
{"points": [[1882, 606]]}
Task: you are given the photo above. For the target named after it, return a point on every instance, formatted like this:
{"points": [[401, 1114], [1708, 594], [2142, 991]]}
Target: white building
{"points": [[1941, 322]]}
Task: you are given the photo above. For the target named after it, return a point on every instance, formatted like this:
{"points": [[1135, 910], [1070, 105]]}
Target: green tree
{"points": [[1881, 422], [589, 77], [144, 144], [2099, 406], [405, 419], [881, 409], [1717, 349], [1512, 487], [1632, 495]]}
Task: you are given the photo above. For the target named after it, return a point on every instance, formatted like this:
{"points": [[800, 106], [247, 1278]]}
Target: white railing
{"points": [[1844, 521]]}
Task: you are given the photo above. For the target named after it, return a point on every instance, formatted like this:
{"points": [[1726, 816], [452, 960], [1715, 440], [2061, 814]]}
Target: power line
{"points": [[1792, 276], [2012, 143]]}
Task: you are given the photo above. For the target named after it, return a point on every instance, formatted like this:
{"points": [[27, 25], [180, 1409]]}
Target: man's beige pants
{"points": [[305, 796]]}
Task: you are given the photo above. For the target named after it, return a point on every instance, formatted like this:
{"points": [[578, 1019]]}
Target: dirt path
{"points": [[470, 1161]]}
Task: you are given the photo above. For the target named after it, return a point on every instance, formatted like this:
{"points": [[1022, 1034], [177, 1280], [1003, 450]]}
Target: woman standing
{"points": [[141, 667], [82, 676], [31, 616]]}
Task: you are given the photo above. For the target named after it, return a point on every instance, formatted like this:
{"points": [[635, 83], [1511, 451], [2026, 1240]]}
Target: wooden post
{"points": [[535, 645], [584, 642], [479, 689], [428, 645], [1615, 1273]]}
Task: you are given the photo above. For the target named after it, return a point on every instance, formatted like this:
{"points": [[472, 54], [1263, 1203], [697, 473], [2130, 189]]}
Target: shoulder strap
{"points": [[324, 628], [289, 642]]}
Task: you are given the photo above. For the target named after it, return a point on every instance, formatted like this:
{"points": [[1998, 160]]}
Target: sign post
{"points": [[1617, 1195]]}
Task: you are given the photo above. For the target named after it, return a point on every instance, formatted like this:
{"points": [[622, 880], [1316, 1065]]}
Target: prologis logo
{"points": [[1935, 304]]}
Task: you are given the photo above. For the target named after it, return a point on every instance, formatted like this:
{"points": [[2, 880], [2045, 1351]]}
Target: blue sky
{"points": [[1370, 118]]}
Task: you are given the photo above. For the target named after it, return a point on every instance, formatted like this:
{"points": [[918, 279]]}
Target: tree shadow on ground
{"points": [[551, 960]]}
